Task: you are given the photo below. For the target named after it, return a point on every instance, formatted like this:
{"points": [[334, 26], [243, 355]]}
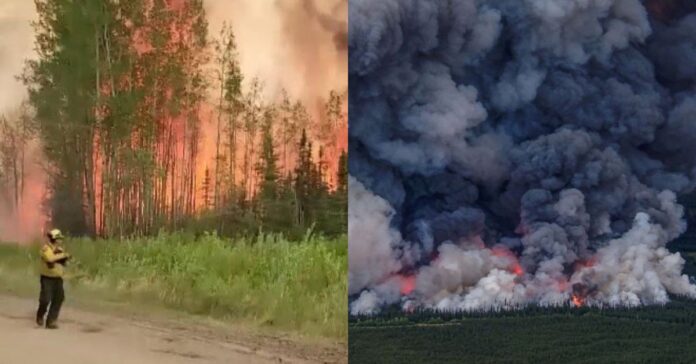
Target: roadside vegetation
{"points": [[267, 281]]}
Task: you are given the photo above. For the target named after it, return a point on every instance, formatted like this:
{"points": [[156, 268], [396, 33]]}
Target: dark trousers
{"points": [[51, 298]]}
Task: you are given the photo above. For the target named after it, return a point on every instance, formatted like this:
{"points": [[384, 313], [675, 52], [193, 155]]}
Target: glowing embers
{"points": [[580, 293], [580, 290], [510, 260], [584, 263], [408, 284], [577, 300]]}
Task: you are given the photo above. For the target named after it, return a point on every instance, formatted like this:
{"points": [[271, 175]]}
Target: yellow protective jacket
{"points": [[53, 260]]}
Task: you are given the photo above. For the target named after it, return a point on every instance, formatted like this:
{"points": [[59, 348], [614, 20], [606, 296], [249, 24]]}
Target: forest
{"points": [[147, 123], [569, 335], [535, 334]]}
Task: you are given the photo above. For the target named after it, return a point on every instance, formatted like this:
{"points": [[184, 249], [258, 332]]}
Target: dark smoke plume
{"points": [[332, 24], [518, 151]]}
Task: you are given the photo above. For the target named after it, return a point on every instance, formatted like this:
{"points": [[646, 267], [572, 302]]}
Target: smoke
{"points": [[372, 255], [517, 152], [16, 45], [299, 45], [27, 221], [23, 222], [295, 45]]}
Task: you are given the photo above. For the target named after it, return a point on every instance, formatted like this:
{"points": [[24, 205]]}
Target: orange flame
{"points": [[585, 263], [514, 265], [561, 285], [578, 300], [408, 284]]}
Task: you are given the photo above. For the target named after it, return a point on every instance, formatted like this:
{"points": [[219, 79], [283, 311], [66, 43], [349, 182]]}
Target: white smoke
{"points": [[372, 240], [370, 301], [521, 147], [631, 270], [24, 222], [16, 46], [636, 269], [288, 44]]}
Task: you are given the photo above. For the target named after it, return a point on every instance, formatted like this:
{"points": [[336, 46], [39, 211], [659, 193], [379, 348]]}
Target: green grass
{"points": [[644, 335], [266, 281]]}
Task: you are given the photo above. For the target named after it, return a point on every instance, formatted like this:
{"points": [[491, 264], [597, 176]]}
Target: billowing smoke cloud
{"points": [[16, 45], [299, 45], [518, 151], [23, 222], [296, 45]]}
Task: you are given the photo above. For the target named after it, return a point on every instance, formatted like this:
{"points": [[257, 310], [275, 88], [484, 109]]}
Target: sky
{"points": [[286, 45], [16, 45], [280, 41]]}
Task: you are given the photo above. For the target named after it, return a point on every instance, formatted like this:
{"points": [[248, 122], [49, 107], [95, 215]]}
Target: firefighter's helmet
{"points": [[55, 234]]}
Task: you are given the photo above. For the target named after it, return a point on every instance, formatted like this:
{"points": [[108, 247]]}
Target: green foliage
{"points": [[343, 172], [267, 280], [534, 335], [118, 89], [289, 205], [267, 167]]}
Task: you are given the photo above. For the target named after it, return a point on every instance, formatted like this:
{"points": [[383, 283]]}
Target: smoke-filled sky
{"points": [[518, 151], [299, 45], [16, 45], [295, 44]]}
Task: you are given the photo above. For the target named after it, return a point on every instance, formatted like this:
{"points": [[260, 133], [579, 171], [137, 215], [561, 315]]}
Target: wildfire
{"points": [[514, 265], [585, 263], [580, 293], [561, 285], [408, 284], [577, 300]]}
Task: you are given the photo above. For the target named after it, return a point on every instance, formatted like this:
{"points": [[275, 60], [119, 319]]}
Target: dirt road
{"points": [[88, 338]]}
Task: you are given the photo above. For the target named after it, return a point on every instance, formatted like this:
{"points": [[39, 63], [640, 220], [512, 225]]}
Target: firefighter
{"points": [[53, 261]]}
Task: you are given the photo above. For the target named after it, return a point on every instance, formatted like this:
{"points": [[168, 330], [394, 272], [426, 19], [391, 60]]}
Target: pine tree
{"points": [[207, 186], [117, 89], [303, 175], [267, 168], [230, 103], [341, 193], [342, 173]]}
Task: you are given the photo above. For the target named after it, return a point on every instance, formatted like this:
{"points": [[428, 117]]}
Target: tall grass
{"points": [[267, 280]]}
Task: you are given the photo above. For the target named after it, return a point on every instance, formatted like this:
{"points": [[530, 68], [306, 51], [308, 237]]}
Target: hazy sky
{"points": [[279, 41], [285, 44], [16, 44]]}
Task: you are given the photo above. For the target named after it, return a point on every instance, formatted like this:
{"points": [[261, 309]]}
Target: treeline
{"points": [[123, 93], [536, 335], [16, 132], [679, 309], [301, 199]]}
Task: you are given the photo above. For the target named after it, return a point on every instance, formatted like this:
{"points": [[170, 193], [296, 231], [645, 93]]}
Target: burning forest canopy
{"points": [[519, 152], [158, 113]]}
